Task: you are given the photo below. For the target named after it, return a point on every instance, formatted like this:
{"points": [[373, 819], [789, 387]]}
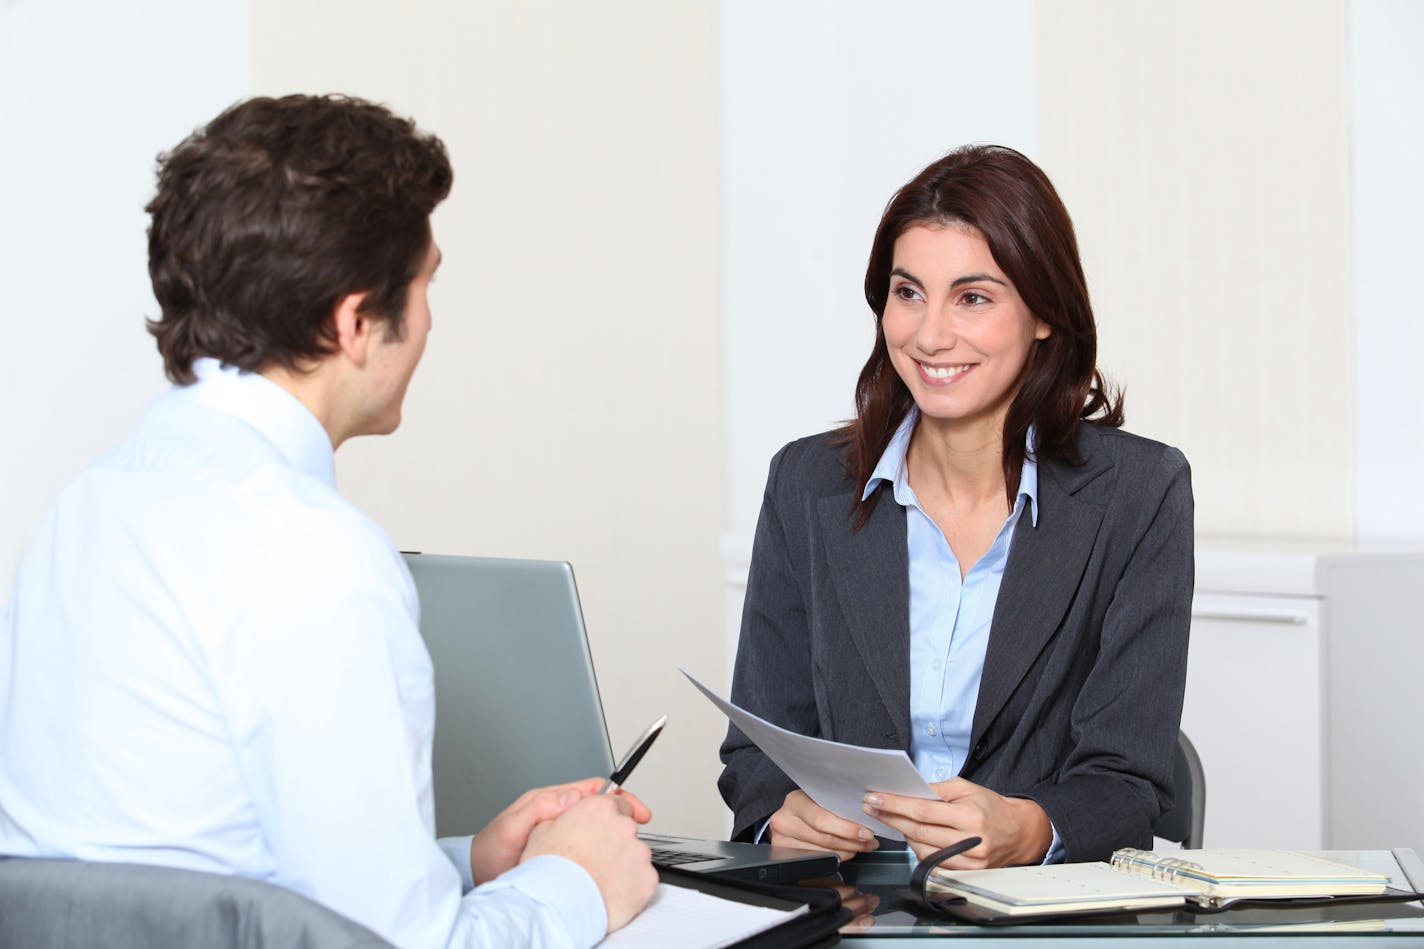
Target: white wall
{"points": [[622, 340], [569, 404], [1201, 148], [1250, 220], [827, 109], [88, 98], [1386, 83]]}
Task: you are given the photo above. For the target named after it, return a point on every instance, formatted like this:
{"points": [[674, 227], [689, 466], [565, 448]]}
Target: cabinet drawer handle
{"points": [[1248, 615]]}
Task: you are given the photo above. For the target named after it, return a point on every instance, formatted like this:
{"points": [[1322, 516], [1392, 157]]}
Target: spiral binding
{"points": [[1166, 869]]}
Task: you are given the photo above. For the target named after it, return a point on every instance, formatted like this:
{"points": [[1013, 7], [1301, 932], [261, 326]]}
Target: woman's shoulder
{"points": [[818, 462], [1125, 470], [1118, 447]]}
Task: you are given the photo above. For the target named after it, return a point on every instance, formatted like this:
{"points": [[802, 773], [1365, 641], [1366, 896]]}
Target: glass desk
{"points": [[874, 886]]}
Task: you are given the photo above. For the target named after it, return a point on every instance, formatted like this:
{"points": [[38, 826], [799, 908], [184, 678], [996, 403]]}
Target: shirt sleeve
{"points": [[1055, 850], [547, 901], [457, 851], [332, 699]]}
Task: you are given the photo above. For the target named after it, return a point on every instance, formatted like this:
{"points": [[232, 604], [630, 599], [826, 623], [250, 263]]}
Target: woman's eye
{"points": [[905, 292], [973, 298]]}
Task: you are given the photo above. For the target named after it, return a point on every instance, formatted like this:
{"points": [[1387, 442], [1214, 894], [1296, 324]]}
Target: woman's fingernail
{"points": [[873, 812], [874, 799], [567, 797]]}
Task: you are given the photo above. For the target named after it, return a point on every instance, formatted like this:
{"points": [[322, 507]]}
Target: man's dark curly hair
{"points": [[268, 217]]}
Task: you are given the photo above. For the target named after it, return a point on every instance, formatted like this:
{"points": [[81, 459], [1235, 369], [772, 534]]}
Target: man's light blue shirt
{"points": [[213, 661], [949, 617]]}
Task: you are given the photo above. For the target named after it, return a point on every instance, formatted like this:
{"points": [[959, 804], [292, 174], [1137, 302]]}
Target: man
{"points": [[212, 660]]}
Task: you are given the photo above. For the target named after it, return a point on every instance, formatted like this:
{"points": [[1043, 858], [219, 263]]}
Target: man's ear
{"points": [[354, 329]]}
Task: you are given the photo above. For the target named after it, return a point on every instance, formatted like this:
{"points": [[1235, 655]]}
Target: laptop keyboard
{"points": [[664, 857]]}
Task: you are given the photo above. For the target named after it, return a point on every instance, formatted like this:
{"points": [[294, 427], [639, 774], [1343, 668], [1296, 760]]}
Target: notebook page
{"points": [[1062, 884], [1249, 866], [1261, 874], [679, 916]]}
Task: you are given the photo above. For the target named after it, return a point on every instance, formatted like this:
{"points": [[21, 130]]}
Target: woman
{"points": [[981, 568]]}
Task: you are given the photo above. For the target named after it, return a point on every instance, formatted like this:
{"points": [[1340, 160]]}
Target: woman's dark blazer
{"points": [[1081, 694]]}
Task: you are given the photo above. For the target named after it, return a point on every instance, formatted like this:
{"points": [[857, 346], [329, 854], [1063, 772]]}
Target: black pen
{"points": [[634, 755]]}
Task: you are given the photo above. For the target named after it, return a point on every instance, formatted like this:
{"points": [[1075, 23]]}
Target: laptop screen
{"points": [[516, 702]]}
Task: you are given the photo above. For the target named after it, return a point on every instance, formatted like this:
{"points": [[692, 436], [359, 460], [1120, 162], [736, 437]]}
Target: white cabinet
{"points": [[1254, 710], [1302, 679]]}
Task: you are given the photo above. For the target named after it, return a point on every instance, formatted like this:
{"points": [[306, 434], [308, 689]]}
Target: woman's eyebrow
{"points": [[976, 278]]}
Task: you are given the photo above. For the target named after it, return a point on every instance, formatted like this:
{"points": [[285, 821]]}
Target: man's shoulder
{"points": [[210, 453], [205, 482]]}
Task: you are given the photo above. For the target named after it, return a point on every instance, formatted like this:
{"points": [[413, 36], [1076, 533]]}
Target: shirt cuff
{"points": [[457, 851], [565, 888], [1055, 849], [761, 831]]}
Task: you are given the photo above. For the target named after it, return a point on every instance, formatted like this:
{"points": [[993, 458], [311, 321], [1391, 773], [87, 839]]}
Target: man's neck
{"points": [[317, 388]]}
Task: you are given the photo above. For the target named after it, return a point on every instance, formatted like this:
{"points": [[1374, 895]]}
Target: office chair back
{"points": [[74, 904], [1183, 823]]}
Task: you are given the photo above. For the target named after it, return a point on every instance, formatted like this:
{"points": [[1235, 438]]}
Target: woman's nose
{"points": [[936, 332]]}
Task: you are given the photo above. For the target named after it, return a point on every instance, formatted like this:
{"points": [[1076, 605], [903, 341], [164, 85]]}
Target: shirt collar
{"points": [[891, 468], [273, 411]]}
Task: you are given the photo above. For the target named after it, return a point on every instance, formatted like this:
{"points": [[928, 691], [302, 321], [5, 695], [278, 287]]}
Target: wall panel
{"points": [[1202, 150]]}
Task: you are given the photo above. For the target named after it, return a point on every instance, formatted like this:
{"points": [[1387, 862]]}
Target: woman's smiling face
{"points": [[957, 331]]}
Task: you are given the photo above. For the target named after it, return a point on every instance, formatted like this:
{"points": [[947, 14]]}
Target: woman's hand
{"points": [[1013, 830], [801, 822]]}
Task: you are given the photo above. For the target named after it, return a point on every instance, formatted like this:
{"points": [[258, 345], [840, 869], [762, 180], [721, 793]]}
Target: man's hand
{"points": [[801, 822], [501, 844], [600, 833], [1015, 831]]}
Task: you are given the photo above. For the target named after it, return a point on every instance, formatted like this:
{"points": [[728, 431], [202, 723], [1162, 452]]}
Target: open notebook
{"points": [[1140, 880]]}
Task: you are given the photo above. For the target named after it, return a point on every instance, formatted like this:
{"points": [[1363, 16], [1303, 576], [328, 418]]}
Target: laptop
{"points": [[517, 705]]}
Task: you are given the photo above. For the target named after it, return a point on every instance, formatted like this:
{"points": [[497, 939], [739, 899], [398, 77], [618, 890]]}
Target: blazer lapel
{"points": [[1046, 562], [870, 569]]}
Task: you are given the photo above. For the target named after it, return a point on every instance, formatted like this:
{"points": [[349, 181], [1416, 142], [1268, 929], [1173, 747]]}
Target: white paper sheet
{"points": [[677, 916], [835, 776]]}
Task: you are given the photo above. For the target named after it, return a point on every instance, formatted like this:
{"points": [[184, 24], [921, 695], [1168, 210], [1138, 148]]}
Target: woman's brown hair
{"points": [[1010, 201]]}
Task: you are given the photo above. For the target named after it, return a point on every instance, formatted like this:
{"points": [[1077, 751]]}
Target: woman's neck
{"points": [[960, 464]]}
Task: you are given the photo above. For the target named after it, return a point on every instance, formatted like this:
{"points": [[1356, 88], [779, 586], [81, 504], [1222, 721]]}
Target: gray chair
{"points": [[1183, 822], [73, 904]]}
